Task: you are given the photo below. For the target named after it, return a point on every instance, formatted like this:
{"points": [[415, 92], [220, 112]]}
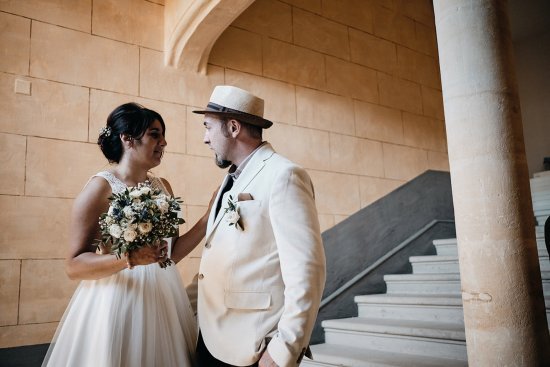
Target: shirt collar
{"points": [[235, 171]]}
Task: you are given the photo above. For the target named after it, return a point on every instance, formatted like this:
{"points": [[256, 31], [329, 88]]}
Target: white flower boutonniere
{"points": [[232, 214]]}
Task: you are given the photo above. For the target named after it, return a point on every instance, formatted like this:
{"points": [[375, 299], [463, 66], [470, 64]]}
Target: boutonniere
{"points": [[232, 214]]}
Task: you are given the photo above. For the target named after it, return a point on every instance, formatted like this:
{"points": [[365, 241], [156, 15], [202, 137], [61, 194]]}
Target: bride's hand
{"points": [[148, 254]]}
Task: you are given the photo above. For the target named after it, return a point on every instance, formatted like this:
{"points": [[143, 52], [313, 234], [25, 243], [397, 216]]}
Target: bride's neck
{"points": [[130, 174]]}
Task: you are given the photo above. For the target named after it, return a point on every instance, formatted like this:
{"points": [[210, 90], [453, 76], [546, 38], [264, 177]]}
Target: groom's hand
{"points": [[266, 360]]}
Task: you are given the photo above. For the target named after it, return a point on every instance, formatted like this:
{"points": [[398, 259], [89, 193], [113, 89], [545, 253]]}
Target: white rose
{"points": [[111, 210], [109, 220], [232, 217], [130, 235], [128, 212], [144, 190], [163, 206], [134, 194], [115, 230], [145, 227]]}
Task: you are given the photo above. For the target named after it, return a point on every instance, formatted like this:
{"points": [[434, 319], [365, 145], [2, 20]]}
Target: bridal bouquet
{"points": [[139, 216]]}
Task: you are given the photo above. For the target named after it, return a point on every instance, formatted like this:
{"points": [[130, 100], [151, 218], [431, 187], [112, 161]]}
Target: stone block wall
{"points": [[353, 87]]}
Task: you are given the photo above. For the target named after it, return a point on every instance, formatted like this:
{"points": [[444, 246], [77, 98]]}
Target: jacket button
{"points": [[201, 276]]}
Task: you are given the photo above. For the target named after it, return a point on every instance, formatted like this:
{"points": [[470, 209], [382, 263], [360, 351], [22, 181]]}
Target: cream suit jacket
{"points": [[266, 280]]}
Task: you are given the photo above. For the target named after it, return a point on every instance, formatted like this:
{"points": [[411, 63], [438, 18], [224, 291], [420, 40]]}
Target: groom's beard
{"points": [[222, 163]]}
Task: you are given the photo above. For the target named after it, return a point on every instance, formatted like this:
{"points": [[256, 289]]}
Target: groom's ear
{"points": [[234, 127]]}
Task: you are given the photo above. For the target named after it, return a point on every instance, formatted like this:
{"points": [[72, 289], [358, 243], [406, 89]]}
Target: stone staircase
{"points": [[419, 320]]}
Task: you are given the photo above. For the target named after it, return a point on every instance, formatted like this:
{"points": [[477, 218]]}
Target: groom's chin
{"points": [[222, 163]]}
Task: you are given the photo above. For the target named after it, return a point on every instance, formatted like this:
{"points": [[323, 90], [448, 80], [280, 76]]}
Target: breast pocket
{"points": [[250, 212]]}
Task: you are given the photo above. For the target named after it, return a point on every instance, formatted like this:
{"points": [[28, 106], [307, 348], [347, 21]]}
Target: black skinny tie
{"points": [[226, 188]]}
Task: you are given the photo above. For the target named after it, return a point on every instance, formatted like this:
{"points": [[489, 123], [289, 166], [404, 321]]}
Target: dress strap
{"points": [[116, 185], [157, 183]]}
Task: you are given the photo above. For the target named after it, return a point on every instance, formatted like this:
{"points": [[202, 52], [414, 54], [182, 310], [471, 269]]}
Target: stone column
{"points": [[504, 310]]}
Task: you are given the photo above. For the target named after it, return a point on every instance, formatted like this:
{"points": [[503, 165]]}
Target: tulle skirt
{"points": [[137, 317]]}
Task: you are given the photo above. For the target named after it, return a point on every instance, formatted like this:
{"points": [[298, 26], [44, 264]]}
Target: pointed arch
{"points": [[191, 27]]}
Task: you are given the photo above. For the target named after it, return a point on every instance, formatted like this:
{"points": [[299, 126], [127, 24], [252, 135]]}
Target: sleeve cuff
{"points": [[280, 353]]}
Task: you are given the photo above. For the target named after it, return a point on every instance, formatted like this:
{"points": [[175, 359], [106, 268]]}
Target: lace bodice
{"points": [[118, 186]]}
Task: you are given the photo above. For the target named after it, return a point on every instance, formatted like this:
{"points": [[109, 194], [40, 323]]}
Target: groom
{"points": [[262, 271]]}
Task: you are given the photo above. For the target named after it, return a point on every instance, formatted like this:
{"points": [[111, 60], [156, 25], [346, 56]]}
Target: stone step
{"points": [[338, 355], [539, 231], [541, 220], [541, 174], [539, 184], [545, 275], [446, 247], [541, 204], [447, 284], [434, 264], [447, 309], [433, 339]]}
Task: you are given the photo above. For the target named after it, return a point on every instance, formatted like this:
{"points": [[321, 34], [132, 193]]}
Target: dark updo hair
{"points": [[131, 119]]}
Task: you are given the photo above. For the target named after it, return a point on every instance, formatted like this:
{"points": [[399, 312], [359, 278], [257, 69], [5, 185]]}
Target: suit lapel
{"points": [[254, 166]]}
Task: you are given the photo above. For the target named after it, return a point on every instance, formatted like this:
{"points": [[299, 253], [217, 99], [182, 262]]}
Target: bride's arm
{"points": [[185, 243], [82, 260]]}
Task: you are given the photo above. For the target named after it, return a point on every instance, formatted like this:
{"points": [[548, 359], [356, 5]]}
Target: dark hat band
{"points": [[245, 116]]}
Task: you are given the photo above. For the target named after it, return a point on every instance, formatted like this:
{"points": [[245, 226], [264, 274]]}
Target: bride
{"points": [[127, 311]]}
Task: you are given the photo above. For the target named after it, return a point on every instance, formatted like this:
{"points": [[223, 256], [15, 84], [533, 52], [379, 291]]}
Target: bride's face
{"points": [[150, 148]]}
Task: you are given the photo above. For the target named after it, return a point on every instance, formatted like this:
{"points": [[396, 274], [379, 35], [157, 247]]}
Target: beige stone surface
{"points": [[426, 41], [326, 221], [172, 85], [238, 49], [18, 335], [432, 102], [377, 122], [44, 232], [66, 13], [9, 291], [399, 93], [12, 164], [293, 64], [53, 57], [308, 148], [374, 188], [417, 67], [340, 218], [15, 38], [318, 33], [358, 156], [404, 163], [195, 134], [324, 111], [356, 13], [102, 103], [40, 114], [336, 193], [348, 79], [270, 18], [419, 10], [424, 132], [138, 22], [55, 170], [371, 51], [279, 97], [310, 5], [45, 291], [188, 268], [438, 161], [393, 26], [193, 178]]}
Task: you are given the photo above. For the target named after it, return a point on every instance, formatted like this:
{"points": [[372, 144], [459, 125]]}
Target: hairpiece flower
{"points": [[105, 130]]}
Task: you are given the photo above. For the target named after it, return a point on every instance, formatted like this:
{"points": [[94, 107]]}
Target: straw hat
{"points": [[233, 102]]}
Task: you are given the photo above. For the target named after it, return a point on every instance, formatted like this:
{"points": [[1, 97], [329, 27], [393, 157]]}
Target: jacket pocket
{"points": [[247, 300]]}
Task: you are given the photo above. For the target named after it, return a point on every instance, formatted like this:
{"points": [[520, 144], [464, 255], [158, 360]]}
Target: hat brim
{"points": [[241, 116]]}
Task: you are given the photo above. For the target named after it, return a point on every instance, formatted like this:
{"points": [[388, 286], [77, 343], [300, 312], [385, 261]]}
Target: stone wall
{"points": [[353, 87]]}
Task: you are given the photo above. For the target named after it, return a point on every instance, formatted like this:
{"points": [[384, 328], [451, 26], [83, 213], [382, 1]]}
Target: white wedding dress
{"points": [[137, 317]]}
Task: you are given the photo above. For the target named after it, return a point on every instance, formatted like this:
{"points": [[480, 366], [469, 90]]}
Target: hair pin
{"points": [[105, 130]]}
